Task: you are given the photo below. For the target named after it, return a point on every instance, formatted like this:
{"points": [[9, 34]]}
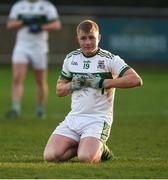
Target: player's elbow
{"points": [[137, 81], [141, 82], [59, 92], [9, 25], [57, 25], [62, 89]]}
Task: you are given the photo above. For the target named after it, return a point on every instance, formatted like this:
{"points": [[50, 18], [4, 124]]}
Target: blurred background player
{"points": [[88, 73], [33, 19]]}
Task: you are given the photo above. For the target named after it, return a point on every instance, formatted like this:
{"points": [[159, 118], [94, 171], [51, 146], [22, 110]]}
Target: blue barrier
{"points": [[135, 39]]}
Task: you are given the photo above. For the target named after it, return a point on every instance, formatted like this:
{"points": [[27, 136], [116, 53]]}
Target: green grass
{"points": [[139, 137]]}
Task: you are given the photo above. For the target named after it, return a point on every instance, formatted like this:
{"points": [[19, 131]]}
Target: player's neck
{"points": [[92, 53]]}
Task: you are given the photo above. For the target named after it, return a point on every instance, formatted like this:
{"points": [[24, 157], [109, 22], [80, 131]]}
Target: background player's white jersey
{"points": [[89, 101], [26, 39]]}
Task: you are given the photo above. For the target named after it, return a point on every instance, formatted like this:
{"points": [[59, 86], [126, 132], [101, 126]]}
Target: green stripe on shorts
{"points": [[105, 132]]}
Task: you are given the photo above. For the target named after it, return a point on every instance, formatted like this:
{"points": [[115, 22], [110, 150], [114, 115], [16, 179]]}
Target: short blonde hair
{"points": [[87, 26]]}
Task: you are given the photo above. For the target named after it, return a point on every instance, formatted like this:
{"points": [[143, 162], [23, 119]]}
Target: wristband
{"points": [[101, 83]]}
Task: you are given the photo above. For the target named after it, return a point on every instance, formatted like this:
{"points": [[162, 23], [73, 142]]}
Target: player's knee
{"points": [[88, 158], [17, 80], [51, 156]]}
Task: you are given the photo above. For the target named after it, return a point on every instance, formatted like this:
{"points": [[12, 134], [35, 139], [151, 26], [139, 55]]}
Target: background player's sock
{"points": [[15, 112], [40, 111], [16, 107]]}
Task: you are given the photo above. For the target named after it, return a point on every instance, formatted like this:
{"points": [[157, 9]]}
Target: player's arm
{"points": [[55, 25], [14, 24], [13, 21], [53, 21], [129, 79], [63, 87]]}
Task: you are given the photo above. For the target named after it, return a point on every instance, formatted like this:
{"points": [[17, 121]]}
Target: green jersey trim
{"points": [[105, 132], [104, 75], [64, 76], [76, 52], [39, 19], [123, 71], [105, 54]]}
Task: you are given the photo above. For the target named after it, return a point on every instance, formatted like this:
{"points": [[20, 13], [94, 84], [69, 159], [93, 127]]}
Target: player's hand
{"points": [[35, 28], [94, 82], [77, 83]]}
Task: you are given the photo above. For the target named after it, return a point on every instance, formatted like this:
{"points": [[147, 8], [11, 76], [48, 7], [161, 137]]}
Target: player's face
{"points": [[88, 42]]}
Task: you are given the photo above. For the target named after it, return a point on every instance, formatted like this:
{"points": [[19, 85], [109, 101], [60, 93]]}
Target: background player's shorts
{"points": [[39, 60], [79, 127]]}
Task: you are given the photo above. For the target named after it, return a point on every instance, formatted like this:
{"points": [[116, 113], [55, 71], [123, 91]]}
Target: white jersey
{"points": [[88, 101], [24, 38]]}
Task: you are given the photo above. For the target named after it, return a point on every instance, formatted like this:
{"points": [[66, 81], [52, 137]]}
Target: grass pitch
{"points": [[139, 137]]}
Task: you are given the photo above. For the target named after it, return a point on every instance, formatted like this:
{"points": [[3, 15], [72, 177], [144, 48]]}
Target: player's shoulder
{"points": [[74, 53], [106, 54], [19, 3]]}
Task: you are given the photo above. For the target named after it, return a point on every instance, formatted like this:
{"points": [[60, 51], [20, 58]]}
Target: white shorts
{"points": [[39, 60], [79, 127]]}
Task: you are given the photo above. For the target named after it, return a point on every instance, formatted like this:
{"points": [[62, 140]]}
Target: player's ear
{"points": [[99, 37]]}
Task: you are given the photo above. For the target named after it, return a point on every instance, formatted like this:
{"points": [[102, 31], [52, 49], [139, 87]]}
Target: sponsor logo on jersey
{"points": [[101, 64], [74, 63]]}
